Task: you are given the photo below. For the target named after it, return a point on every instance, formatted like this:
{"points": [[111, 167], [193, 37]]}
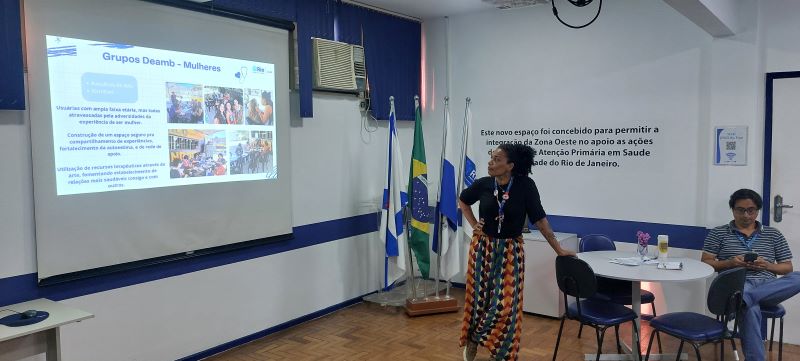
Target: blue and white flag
{"points": [[448, 204], [391, 232]]}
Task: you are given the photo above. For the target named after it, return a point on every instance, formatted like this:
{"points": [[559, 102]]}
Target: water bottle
{"points": [[663, 248]]}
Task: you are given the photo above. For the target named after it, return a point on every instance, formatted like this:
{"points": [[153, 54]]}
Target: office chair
{"points": [[615, 291], [774, 313], [575, 278], [724, 300]]}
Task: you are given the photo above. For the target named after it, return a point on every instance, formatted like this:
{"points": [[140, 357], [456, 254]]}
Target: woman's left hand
{"points": [[565, 252]]}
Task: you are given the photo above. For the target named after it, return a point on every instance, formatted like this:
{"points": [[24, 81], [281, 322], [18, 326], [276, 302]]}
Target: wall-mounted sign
{"points": [[731, 146]]}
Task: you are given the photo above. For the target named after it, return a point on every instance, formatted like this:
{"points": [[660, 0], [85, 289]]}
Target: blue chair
{"points": [[615, 291], [724, 300], [775, 312], [575, 278]]}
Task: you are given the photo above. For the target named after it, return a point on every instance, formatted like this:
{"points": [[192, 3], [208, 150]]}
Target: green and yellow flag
{"points": [[421, 212]]}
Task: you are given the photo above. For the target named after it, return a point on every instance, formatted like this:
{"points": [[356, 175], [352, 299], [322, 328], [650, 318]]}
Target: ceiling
{"points": [[718, 18], [429, 8]]}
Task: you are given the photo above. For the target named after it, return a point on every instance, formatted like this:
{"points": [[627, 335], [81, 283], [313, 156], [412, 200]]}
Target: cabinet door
{"points": [[541, 294]]}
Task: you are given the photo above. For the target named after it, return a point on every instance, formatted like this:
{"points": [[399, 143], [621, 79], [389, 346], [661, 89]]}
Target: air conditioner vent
{"points": [[338, 66], [358, 61]]}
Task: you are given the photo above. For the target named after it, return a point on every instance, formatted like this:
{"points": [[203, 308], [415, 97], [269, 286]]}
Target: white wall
{"points": [[16, 210], [639, 64], [338, 171], [735, 83], [521, 67]]}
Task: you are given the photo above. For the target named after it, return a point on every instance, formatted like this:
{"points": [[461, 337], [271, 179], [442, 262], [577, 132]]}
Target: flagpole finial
{"points": [[446, 100], [469, 99], [391, 98], [416, 97]]}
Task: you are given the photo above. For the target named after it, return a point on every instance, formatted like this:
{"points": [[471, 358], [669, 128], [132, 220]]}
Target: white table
{"points": [[44, 337], [599, 261]]}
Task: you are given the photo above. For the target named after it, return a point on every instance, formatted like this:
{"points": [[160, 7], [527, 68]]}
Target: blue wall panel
{"points": [[12, 81]]}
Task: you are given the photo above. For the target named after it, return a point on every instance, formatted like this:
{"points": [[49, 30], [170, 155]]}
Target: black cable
{"points": [[578, 3]]}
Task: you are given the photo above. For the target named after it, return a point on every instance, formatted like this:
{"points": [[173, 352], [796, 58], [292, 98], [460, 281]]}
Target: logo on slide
{"points": [[241, 74], [68, 50], [258, 70]]}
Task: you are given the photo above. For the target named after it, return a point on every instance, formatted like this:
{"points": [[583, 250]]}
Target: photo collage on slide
{"points": [[223, 130]]}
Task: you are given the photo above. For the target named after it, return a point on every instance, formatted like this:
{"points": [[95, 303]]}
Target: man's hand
{"points": [[738, 261], [758, 265]]}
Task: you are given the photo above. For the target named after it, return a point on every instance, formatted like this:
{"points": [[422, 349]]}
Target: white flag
{"points": [[391, 231], [448, 204]]}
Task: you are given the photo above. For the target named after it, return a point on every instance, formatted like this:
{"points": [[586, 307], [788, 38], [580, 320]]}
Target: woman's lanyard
{"points": [[501, 203], [748, 242]]}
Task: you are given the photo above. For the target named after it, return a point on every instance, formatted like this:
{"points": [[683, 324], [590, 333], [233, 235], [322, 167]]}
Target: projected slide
{"points": [[128, 117]]}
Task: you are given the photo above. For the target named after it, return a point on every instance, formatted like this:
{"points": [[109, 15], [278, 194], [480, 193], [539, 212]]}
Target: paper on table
{"points": [[671, 265], [628, 261]]}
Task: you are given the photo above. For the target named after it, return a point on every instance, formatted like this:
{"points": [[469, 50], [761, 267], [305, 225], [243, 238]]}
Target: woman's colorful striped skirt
{"points": [[493, 300]]}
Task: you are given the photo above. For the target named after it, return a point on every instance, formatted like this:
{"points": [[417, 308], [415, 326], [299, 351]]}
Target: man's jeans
{"points": [[757, 293]]}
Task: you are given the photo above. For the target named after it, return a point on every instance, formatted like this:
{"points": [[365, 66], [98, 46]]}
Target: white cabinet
{"points": [[541, 295]]}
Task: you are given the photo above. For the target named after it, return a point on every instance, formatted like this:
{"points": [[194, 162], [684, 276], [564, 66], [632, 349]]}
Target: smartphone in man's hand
{"points": [[750, 257]]}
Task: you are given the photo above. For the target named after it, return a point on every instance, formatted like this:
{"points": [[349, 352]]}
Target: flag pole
{"points": [[411, 286], [424, 284], [437, 304], [393, 223], [388, 211], [389, 195], [438, 230], [461, 165]]}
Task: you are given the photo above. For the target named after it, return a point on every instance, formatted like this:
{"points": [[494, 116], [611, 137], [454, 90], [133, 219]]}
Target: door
{"points": [[782, 176]]}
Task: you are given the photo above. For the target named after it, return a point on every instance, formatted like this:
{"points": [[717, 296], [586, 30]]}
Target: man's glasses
{"points": [[751, 210]]}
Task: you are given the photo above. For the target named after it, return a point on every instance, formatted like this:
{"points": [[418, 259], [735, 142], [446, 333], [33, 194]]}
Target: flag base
{"points": [[431, 305]]}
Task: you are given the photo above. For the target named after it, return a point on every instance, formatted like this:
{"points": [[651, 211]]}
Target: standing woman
{"points": [[496, 262], [265, 114]]}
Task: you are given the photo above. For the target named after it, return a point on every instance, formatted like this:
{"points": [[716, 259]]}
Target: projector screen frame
{"points": [[157, 261], [184, 253]]}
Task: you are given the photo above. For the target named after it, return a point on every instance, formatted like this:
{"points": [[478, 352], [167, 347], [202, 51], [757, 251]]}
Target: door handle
{"points": [[778, 208]]}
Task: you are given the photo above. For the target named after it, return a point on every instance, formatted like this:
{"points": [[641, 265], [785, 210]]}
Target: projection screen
{"points": [[155, 131]]}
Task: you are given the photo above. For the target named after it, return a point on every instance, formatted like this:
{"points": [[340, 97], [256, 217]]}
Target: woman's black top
{"points": [[523, 199]]}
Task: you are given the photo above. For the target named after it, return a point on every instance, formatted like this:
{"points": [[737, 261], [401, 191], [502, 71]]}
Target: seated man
{"points": [[725, 247]]}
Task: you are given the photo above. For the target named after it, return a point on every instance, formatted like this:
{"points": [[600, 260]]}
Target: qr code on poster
{"points": [[730, 145]]}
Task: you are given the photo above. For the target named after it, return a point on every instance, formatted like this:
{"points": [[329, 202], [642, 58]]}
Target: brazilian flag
{"points": [[421, 212]]}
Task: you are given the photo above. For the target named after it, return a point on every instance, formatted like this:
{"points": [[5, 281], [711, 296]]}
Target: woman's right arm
{"points": [[466, 210]]}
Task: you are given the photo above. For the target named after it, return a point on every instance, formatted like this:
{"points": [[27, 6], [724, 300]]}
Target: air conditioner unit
{"points": [[338, 66]]}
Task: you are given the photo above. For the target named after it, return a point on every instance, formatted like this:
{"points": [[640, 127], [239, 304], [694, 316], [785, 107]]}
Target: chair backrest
{"points": [[725, 294], [596, 242], [575, 278]]}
